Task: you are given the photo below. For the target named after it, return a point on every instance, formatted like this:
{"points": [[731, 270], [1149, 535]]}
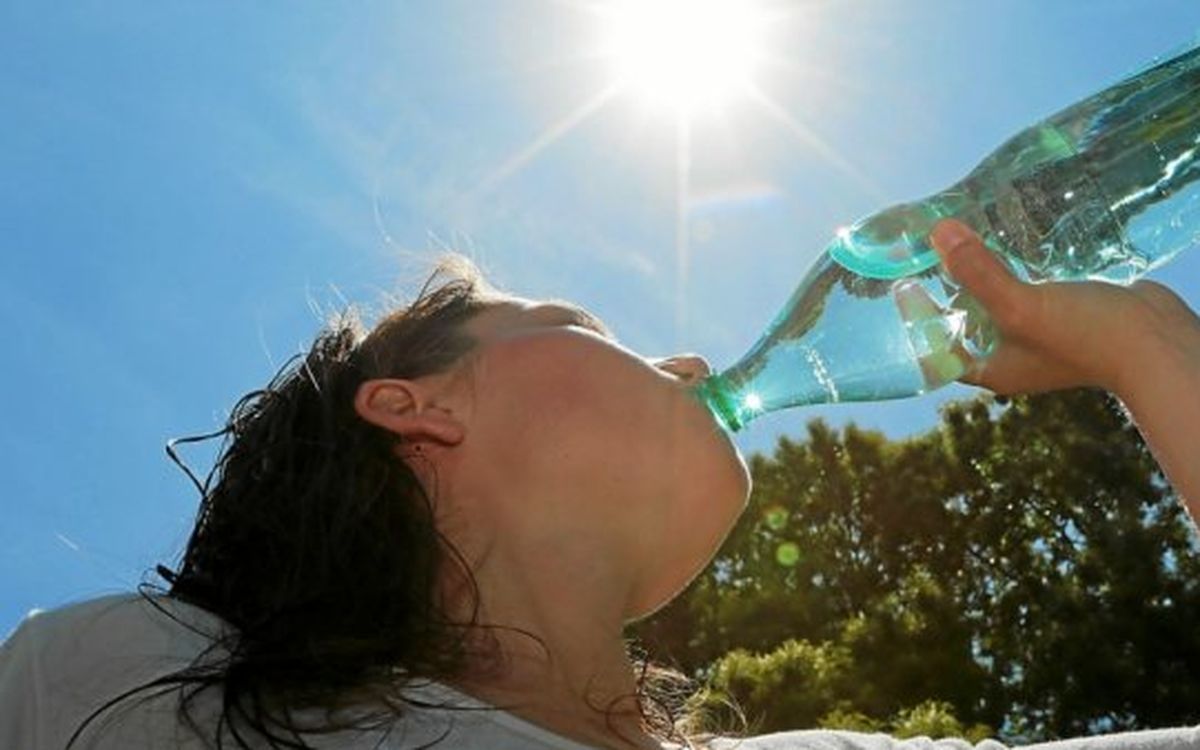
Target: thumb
{"points": [[978, 269]]}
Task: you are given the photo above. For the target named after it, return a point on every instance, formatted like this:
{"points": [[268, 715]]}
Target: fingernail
{"points": [[950, 234]]}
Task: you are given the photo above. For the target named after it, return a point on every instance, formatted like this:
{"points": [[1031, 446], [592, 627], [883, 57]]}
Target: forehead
{"points": [[510, 314]]}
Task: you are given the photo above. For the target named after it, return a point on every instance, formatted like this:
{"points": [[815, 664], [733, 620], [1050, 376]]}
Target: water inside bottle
{"points": [[845, 337], [1106, 189]]}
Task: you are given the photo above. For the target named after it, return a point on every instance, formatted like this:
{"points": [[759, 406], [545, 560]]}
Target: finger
{"points": [[1018, 370], [971, 264]]}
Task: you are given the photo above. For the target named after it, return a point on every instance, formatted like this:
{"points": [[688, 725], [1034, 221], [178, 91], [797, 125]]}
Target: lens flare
{"points": [[787, 554]]}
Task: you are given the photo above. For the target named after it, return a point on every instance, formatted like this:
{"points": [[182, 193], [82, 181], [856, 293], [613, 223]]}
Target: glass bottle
{"points": [[1108, 188]]}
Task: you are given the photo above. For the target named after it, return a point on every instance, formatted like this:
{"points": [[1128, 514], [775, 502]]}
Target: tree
{"points": [[1023, 566]]}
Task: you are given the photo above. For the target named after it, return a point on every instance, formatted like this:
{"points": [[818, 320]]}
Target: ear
{"points": [[406, 408]]}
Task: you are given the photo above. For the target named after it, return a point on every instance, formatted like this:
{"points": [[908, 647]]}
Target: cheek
{"points": [[573, 403], [543, 394], [562, 375], [578, 411]]}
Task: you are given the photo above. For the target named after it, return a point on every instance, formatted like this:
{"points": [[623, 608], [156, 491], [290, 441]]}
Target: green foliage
{"points": [[851, 721], [1024, 566], [935, 719], [802, 684], [763, 686]]}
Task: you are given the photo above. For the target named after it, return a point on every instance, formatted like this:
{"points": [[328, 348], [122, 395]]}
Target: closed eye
{"points": [[574, 315]]}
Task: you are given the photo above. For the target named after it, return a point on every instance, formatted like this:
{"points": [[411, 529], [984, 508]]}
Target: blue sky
{"points": [[189, 188]]}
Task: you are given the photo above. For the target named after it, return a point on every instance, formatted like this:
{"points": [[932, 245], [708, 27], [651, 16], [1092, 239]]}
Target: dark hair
{"points": [[318, 545]]}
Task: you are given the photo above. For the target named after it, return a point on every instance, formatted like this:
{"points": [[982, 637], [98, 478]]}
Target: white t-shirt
{"points": [[60, 666]]}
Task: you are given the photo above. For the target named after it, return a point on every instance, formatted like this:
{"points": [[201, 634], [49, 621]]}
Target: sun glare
{"points": [[685, 54]]}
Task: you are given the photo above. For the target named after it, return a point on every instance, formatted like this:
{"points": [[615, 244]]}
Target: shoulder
{"points": [[125, 608], [119, 627], [58, 666], [820, 739]]}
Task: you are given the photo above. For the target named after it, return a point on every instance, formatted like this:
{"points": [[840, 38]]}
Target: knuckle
{"points": [[1012, 311]]}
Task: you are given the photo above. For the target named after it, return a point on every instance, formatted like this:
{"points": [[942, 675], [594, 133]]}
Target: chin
{"points": [[735, 482], [699, 534], [671, 584], [650, 605]]}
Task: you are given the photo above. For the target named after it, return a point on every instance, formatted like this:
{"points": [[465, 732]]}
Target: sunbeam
{"points": [[822, 77], [683, 167], [812, 140], [555, 131]]}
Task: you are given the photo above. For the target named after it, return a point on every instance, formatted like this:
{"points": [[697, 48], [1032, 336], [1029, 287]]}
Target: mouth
{"points": [[701, 395]]}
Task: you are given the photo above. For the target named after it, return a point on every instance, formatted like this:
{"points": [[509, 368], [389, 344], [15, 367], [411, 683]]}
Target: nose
{"points": [[690, 368]]}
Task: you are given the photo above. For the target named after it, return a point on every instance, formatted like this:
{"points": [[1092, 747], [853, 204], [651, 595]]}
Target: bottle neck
{"points": [[720, 397]]}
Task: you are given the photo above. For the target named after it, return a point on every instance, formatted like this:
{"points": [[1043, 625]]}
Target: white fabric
{"points": [[1161, 739], [60, 666]]}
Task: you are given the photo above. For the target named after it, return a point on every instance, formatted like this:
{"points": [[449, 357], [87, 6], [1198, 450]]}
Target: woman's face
{"points": [[604, 449]]}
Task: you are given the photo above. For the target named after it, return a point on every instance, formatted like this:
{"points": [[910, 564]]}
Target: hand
{"points": [[1061, 334], [1140, 342]]}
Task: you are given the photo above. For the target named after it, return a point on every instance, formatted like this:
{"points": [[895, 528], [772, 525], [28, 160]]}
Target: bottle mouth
{"points": [[715, 394]]}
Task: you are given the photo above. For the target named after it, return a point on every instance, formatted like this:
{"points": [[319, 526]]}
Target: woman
{"points": [[438, 531]]}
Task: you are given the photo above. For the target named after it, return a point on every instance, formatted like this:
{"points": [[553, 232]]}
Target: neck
{"points": [[552, 648]]}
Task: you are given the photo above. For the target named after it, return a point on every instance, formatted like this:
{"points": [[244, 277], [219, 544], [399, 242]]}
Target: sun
{"points": [[685, 54]]}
